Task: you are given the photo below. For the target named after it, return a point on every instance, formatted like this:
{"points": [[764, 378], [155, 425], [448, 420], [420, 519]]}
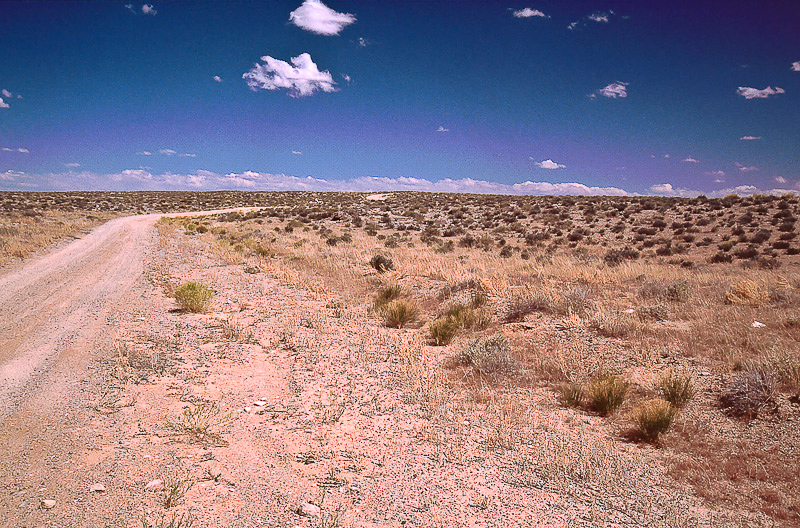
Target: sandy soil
{"points": [[96, 363]]}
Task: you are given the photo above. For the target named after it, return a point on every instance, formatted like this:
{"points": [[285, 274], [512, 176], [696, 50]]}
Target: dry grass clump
{"points": [[655, 312], [527, 303], [399, 313], [676, 388], [443, 330], [458, 316], [194, 297], [572, 394], [614, 325], [202, 422], [607, 393], [386, 295], [750, 392], [174, 490], [184, 520], [577, 300], [653, 418], [747, 292], [488, 355], [678, 291]]}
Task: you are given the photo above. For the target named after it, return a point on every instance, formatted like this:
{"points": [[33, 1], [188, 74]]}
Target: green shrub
{"points": [[463, 316], [676, 388], [607, 393], [194, 297], [488, 355], [443, 330], [399, 313], [653, 418], [387, 295]]}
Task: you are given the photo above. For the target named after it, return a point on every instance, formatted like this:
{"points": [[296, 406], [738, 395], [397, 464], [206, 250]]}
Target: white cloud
{"points": [[662, 188], [23, 150], [302, 79], [297, 153], [140, 179], [796, 66], [690, 160], [187, 155], [148, 9], [363, 42], [346, 78], [716, 173], [218, 78], [781, 179], [318, 18], [666, 189], [746, 168], [442, 129], [550, 164], [20, 150], [167, 152], [614, 90], [5, 93], [4, 104], [12, 176], [144, 153], [528, 13], [754, 93], [750, 138], [72, 165], [130, 8], [600, 17]]}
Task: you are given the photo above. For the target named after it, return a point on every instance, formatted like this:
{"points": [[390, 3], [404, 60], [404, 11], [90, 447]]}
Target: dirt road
{"points": [[57, 315]]}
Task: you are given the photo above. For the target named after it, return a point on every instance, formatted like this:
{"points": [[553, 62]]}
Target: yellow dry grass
{"points": [[21, 235]]}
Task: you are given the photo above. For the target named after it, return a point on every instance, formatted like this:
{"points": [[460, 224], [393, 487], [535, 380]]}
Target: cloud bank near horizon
{"points": [[202, 180]]}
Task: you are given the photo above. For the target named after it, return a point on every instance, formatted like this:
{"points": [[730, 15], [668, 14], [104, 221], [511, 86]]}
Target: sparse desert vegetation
{"points": [[560, 342]]}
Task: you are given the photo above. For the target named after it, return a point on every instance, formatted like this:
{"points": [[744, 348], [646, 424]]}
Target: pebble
{"points": [[246, 409], [154, 484], [306, 509], [259, 403], [757, 324], [48, 504], [97, 487]]}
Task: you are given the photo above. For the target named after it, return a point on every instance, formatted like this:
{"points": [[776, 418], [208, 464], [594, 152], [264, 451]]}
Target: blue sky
{"points": [[541, 97]]}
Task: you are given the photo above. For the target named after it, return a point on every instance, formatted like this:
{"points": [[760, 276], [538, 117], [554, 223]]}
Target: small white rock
{"points": [[154, 484], [306, 509], [98, 488], [757, 324], [247, 409], [48, 504], [628, 311], [259, 403]]}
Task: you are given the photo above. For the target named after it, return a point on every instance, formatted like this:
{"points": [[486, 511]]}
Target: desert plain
{"points": [[233, 359]]}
